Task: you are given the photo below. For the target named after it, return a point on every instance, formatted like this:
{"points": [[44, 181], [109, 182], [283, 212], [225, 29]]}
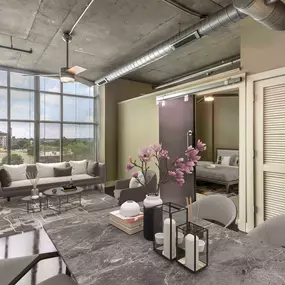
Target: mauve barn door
{"points": [[176, 119]]}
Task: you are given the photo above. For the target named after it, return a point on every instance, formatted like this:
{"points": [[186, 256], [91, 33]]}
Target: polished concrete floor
{"points": [[29, 243]]}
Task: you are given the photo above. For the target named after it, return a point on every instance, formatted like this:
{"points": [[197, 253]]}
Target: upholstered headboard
{"points": [[227, 152]]}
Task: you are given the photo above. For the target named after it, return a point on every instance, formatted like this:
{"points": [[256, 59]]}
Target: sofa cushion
{"points": [[92, 168], [5, 178], [46, 169], [17, 172], [59, 172], [78, 167]]}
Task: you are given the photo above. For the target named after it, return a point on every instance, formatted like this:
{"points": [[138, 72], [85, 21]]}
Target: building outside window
{"points": [[43, 120]]}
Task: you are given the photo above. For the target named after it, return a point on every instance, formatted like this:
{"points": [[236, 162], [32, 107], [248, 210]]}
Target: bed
{"points": [[226, 175]]}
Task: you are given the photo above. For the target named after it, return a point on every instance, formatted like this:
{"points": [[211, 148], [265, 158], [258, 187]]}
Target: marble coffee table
{"points": [[62, 197]]}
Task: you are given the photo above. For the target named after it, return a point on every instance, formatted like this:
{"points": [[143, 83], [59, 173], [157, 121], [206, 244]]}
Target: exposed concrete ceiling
{"points": [[111, 33]]}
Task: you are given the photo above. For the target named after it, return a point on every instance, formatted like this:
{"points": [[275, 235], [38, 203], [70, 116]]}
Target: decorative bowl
{"points": [[159, 238], [130, 209]]}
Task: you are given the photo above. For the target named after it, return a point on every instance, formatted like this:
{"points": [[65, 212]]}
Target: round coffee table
{"points": [[62, 197], [29, 202]]}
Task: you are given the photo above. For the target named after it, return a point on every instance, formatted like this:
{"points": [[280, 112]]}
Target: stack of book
{"points": [[129, 225]]}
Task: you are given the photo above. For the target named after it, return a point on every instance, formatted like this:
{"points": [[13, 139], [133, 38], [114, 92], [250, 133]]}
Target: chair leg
{"points": [[67, 271]]}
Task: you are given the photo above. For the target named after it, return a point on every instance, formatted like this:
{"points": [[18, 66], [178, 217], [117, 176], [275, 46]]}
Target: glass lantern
{"points": [[166, 217], [192, 253]]}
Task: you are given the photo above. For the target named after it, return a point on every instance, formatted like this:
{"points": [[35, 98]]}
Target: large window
{"points": [[43, 120]]}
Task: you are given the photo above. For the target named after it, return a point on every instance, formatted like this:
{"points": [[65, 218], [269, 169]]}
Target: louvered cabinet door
{"points": [[269, 148]]}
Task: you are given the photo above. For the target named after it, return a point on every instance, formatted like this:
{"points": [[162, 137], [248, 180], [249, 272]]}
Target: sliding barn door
{"points": [[269, 148], [176, 132]]}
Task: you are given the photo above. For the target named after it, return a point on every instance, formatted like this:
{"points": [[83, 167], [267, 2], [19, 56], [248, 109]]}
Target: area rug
{"points": [[15, 219]]}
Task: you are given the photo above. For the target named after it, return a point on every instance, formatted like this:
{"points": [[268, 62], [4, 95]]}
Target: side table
{"points": [[34, 202]]}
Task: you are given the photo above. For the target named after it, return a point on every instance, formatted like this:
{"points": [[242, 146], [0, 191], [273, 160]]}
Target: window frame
{"points": [[37, 108]]}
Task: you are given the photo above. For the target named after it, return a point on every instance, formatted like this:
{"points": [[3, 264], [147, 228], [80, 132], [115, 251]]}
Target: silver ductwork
{"points": [[207, 26], [269, 13]]}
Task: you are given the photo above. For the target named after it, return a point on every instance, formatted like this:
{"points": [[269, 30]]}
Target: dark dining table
{"points": [[97, 253]]}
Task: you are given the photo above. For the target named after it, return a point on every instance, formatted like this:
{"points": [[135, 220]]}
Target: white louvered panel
{"points": [[274, 124], [274, 194]]}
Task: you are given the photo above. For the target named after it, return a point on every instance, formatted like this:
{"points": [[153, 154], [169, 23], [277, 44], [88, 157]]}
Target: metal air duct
{"points": [[206, 26], [269, 13]]}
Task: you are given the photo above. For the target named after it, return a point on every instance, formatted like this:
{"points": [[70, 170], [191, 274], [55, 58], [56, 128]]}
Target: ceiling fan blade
{"points": [[84, 81], [44, 75], [76, 69]]}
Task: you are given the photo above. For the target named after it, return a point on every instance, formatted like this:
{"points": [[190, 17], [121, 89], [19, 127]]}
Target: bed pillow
{"points": [[17, 172], [236, 161], [78, 167], [46, 169], [223, 160]]}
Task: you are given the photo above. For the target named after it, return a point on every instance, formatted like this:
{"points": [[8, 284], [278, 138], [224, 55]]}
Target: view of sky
{"points": [[75, 109]]}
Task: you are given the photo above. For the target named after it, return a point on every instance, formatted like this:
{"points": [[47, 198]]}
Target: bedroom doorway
{"points": [[217, 124]]}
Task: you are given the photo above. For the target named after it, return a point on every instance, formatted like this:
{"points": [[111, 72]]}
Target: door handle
{"points": [[188, 134]]}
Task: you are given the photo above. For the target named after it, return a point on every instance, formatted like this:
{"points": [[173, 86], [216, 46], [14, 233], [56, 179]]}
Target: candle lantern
{"points": [[192, 253], [166, 217]]}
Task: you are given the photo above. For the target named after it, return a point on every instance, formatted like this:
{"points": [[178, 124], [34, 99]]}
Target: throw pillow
{"points": [[60, 172], [236, 161], [17, 172], [46, 169], [226, 160], [5, 178], [78, 167], [137, 182], [92, 168]]}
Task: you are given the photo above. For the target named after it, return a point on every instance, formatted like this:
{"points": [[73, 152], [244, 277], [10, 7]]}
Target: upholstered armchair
{"points": [[123, 193]]}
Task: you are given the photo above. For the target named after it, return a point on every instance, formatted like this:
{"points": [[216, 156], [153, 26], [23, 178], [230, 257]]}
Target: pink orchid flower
{"points": [[180, 181], [129, 167], [201, 146], [145, 153], [135, 174], [156, 147], [172, 173]]}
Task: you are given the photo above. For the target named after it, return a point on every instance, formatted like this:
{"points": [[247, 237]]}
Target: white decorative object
{"points": [[169, 225], [189, 252], [159, 238], [40, 194], [78, 167], [17, 172], [152, 200], [211, 166], [35, 197], [201, 245], [46, 169], [180, 238], [130, 209], [137, 181]]}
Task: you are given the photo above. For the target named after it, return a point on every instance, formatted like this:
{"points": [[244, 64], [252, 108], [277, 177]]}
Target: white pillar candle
{"points": [[167, 241], [189, 252]]}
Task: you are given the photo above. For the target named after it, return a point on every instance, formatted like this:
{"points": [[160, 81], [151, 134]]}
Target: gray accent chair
{"points": [[215, 208], [123, 193], [271, 231], [23, 187]]}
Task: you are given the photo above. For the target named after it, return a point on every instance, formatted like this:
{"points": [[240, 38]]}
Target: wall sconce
{"points": [[209, 98]]}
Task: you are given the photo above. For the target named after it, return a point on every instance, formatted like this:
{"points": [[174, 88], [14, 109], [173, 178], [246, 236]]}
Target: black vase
{"points": [[150, 202]]}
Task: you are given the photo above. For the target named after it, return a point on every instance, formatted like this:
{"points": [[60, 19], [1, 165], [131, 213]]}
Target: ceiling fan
{"points": [[68, 74]]}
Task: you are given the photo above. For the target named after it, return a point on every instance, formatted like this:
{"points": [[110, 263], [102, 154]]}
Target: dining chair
{"points": [[271, 231], [123, 193], [13, 269], [215, 208], [60, 279]]}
